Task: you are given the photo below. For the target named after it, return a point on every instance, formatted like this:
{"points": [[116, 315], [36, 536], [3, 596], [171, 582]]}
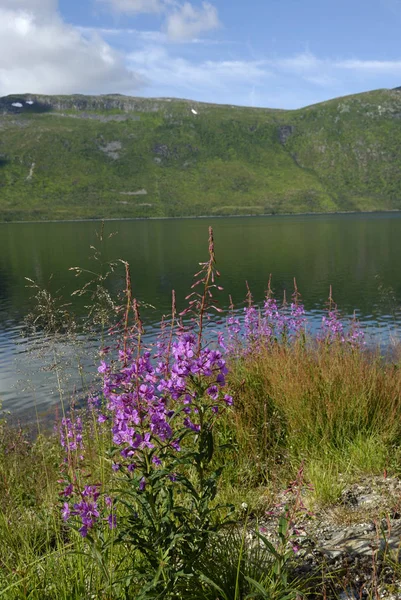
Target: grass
{"points": [[340, 155], [336, 409]]}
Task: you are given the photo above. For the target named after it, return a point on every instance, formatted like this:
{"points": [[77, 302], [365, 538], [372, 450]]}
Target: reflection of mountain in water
{"points": [[4, 291]]}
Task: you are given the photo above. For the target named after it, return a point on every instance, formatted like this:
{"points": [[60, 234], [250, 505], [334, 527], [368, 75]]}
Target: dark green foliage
{"points": [[101, 157]]}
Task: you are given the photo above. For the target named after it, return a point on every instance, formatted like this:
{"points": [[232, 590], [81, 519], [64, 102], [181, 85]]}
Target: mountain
{"points": [[65, 157]]}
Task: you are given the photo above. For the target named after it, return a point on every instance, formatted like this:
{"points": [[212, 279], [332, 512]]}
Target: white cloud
{"points": [[184, 21], [322, 80], [148, 36], [281, 81], [134, 6], [299, 62], [370, 66], [132, 36], [187, 22], [39, 53], [307, 63], [36, 6], [167, 73], [338, 76]]}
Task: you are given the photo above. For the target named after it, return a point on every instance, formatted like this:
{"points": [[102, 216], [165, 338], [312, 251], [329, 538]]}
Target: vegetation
{"points": [[112, 156], [152, 489]]}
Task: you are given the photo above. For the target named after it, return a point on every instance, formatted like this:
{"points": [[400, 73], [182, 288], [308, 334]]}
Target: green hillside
{"points": [[115, 156]]}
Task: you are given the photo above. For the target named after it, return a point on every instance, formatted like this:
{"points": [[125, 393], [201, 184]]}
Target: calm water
{"points": [[360, 255]]}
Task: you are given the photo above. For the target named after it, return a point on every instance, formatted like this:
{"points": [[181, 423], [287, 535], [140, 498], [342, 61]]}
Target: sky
{"points": [[270, 53]]}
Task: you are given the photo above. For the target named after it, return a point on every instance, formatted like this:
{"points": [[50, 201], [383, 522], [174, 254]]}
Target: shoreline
{"points": [[188, 217]]}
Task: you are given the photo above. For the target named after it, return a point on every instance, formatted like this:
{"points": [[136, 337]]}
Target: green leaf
{"points": [[214, 585], [260, 589], [268, 545]]}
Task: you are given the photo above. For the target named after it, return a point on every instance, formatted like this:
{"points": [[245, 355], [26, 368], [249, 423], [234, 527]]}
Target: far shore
{"points": [[295, 214]]}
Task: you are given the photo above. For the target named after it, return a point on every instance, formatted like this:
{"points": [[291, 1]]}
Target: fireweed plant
{"points": [[284, 324], [157, 412], [162, 407]]}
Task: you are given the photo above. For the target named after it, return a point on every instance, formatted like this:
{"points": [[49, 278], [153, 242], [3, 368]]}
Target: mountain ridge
{"points": [[118, 156]]}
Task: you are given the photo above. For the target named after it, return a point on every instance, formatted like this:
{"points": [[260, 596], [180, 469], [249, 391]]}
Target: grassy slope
{"points": [[340, 155]]}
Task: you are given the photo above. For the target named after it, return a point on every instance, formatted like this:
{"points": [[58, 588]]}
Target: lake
{"points": [[358, 254]]}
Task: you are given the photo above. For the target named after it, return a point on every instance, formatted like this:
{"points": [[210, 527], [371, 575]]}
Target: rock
{"points": [[284, 132], [141, 192], [111, 149], [79, 102], [161, 150], [355, 538]]}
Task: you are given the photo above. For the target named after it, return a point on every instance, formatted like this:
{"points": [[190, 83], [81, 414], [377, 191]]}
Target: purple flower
{"points": [[103, 367], [190, 425], [333, 329], [93, 401], [150, 398], [356, 336], [68, 490], [83, 530], [70, 432], [228, 400], [88, 513], [176, 445], [221, 342], [213, 392], [146, 443], [221, 380], [112, 520], [66, 512], [91, 491]]}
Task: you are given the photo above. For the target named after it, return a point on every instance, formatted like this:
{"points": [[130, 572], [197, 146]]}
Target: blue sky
{"points": [[272, 53]]}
